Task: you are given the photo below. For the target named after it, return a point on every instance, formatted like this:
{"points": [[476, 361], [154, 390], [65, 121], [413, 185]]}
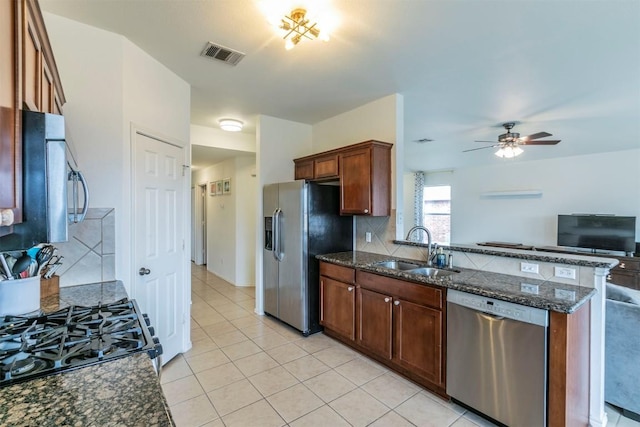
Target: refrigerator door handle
{"points": [[277, 241], [276, 235]]}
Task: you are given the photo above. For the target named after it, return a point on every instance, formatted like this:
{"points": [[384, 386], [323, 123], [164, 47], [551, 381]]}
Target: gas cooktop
{"points": [[71, 338]]}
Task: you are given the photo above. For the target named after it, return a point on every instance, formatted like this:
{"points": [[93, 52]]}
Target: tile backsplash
{"points": [[89, 254]]}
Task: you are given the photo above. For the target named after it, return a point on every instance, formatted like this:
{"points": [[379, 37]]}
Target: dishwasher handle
{"points": [[490, 317]]}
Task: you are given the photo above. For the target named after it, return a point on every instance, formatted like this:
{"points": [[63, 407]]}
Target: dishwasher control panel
{"points": [[499, 308]]}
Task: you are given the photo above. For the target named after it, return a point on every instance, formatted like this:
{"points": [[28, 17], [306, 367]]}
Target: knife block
{"points": [[49, 287]]}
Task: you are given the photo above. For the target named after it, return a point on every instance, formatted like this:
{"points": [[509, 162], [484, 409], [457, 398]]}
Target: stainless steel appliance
{"points": [[497, 358], [302, 221], [73, 337], [46, 173]]}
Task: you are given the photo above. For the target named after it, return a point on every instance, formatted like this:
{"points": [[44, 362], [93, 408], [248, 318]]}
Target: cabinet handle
{"points": [[622, 265], [387, 299], [350, 288], [366, 211], [396, 303], [608, 277]]}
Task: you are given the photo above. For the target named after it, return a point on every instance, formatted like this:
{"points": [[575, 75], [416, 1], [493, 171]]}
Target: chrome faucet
{"points": [[430, 251]]}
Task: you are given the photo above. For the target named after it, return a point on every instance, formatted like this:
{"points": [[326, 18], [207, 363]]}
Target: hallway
{"points": [[247, 370]]}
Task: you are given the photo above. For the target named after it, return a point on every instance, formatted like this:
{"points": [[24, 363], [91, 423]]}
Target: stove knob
{"points": [[145, 316], [156, 341], [151, 330]]}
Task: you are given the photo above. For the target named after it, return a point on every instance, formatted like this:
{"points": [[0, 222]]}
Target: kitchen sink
{"points": [[431, 272], [398, 265]]}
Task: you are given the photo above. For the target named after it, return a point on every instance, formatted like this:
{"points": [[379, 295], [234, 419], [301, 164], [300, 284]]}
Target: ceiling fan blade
{"points": [[536, 136], [547, 142], [481, 148], [485, 141]]}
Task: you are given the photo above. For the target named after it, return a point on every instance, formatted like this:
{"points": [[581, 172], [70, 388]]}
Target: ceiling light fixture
{"points": [[509, 151], [231, 125], [297, 27]]}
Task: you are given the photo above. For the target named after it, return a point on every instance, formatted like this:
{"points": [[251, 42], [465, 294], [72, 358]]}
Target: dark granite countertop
{"points": [[121, 392], [493, 285]]}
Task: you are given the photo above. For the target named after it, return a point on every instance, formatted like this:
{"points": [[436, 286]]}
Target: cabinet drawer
{"points": [[326, 167], [419, 294], [338, 272]]}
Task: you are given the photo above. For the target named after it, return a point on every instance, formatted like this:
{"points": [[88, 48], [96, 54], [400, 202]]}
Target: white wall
{"points": [[111, 84], [231, 225], [595, 183]]}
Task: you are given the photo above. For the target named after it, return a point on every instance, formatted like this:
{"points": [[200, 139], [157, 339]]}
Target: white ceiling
{"points": [[568, 67]]}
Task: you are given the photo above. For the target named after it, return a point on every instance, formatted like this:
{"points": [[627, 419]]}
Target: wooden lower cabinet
{"points": [[375, 322], [338, 307], [418, 332], [400, 324]]}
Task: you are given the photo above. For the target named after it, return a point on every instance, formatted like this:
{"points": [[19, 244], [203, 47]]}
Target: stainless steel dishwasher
{"points": [[497, 358]]}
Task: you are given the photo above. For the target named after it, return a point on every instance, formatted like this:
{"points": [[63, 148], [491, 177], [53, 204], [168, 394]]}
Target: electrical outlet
{"points": [[529, 288], [565, 272], [565, 294], [367, 237], [527, 267]]}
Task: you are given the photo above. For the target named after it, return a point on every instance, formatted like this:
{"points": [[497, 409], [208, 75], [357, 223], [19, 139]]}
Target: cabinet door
{"points": [[10, 139], [326, 167], [31, 63], [375, 324], [355, 182], [304, 170], [338, 307], [47, 89], [418, 340]]}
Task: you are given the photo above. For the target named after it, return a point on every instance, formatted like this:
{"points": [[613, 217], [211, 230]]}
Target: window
{"points": [[437, 212]]}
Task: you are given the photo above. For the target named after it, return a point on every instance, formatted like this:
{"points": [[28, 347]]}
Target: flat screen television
{"points": [[604, 232]]}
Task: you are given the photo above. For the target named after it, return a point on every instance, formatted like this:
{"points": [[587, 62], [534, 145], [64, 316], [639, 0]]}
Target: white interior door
{"points": [[159, 200]]}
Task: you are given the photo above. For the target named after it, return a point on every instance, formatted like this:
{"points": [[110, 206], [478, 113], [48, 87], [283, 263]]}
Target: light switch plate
{"points": [[367, 237]]}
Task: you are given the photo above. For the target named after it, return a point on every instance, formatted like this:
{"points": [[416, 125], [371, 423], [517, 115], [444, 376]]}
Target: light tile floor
{"points": [[247, 370]]}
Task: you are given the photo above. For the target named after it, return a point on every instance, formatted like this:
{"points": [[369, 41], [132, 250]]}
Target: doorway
{"points": [[200, 224]]}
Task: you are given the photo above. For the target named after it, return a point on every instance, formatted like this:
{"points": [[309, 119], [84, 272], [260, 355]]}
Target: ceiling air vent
{"points": [[221, 53]]}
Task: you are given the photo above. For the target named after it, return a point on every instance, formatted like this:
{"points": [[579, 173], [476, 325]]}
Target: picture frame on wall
{"points": [[226, 186], [219, 187], [212, 188]]}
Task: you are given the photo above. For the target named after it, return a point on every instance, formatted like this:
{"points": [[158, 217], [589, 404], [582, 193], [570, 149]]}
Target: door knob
{"points": [[144, 271], [396, 303], [387, 299], [350, 288]]}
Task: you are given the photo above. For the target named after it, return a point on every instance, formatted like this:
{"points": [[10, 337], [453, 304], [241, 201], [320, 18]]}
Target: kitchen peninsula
{"points": [[123, 391], [362, 285]]}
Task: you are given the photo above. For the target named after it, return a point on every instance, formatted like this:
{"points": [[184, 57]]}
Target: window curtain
{"points": [[418, 203]]}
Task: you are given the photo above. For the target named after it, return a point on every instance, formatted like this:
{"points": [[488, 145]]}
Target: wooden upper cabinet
{"points": [[41, 86], [31, 63], [364, 173], [28, 80], [10, 100], [365, 180]]}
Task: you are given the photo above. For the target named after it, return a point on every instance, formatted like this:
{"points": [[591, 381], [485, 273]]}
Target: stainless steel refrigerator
{"points": [[302, 220]]}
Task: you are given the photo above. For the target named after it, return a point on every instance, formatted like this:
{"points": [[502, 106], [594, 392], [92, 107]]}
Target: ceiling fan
{"points": [[509, 142]]}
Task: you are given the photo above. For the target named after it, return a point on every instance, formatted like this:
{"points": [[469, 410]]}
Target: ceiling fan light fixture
{"points": [[231, 125], [509, 152]]}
